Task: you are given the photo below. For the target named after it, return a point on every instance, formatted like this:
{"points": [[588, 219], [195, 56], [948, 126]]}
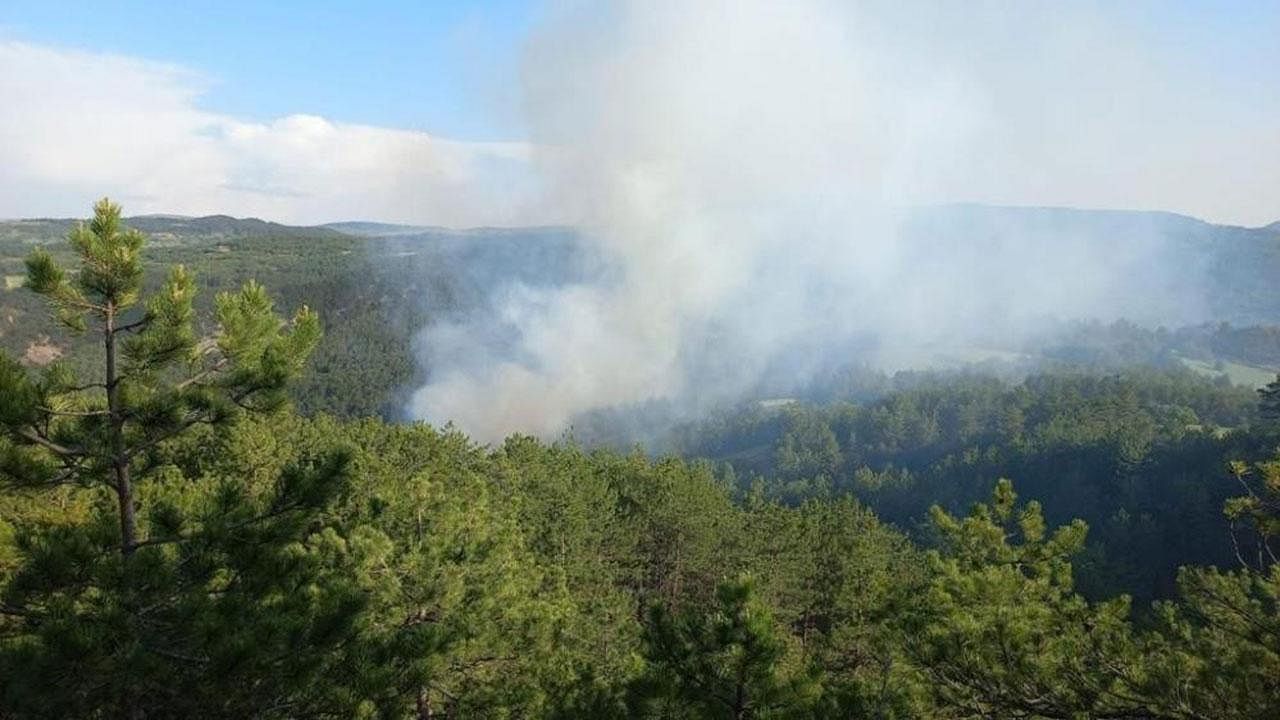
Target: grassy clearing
{"points": [[1249, 375]]}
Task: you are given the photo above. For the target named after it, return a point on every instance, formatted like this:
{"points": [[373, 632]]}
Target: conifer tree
{"points": [[1216, 651], [1269, 401], [157, 379], [1001, 632], [170, 595], [1258, 511], [724, 661]]}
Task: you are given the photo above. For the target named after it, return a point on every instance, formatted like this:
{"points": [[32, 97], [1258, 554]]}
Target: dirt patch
{"points": [[13, 282], [41, 352]]}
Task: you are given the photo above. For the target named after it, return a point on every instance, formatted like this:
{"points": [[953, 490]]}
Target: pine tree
{"points": [[836, 577], [1001, 632], [170, 594], [1269, 401], [1217, 650], [724, 661], [158, 378], [1255, 515]]}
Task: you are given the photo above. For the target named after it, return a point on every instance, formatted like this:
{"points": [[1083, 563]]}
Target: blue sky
{"points": [[446, 113], [446, 67], [452, 68]]}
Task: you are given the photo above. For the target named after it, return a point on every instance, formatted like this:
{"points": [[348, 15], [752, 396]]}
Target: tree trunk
{"points": [[424, 705], [120, 466], [739, 708], [119, 459]]}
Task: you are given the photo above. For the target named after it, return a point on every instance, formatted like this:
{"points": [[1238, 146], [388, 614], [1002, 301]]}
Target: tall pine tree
{"points": [[169, 595]]}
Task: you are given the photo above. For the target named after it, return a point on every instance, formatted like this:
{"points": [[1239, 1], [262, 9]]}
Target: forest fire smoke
{"points": [[743, 170]]}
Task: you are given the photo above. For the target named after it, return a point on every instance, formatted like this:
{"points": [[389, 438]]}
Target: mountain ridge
{"points": [[162, 222]]}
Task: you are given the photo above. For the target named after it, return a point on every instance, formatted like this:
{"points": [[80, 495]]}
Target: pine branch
{"points": [[82, 388], [181, 538], [69, 476], [204, 416], [74, 413], [171, 655], [36, 438], [135, 326], [195, 379]]}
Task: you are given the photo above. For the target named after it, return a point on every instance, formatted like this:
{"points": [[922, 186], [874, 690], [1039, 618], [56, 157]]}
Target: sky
{"points": [[441, 67], [423, 112]]}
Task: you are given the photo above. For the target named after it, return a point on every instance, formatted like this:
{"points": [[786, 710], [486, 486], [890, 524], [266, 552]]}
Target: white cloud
{"points": [[76, 125], [1001, 103]]}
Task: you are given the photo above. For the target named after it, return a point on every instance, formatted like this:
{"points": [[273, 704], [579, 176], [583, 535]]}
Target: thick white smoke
{"points": [[742, 168]]}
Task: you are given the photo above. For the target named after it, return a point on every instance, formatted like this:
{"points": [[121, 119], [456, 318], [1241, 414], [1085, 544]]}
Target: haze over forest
{"points": [[750, 190], [667, 360]]}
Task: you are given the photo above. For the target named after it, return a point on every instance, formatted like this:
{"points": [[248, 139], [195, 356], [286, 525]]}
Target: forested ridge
{"points": [[1139, 454], [183, 535], [378, 292], [380, 285]]}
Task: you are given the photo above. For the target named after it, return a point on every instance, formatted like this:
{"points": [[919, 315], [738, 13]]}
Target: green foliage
{"points": [[1269, 401], [1218, 650], [164, 578], [253, 591], [157, 378], [808, 448], [1000, 631], [728, 661], [176, 541], [836, 579], [1138, 455], [419, 574], [464, 605], [1256, 513]]}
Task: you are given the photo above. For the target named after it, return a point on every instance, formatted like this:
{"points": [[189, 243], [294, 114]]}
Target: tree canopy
{"points": [[177, 540]]}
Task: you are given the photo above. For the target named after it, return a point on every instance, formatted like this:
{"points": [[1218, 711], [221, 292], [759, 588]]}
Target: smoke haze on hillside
{"points": [[745, 173]]}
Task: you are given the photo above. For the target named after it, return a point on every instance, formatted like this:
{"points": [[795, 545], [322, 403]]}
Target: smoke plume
{"points": [[746, 171]]}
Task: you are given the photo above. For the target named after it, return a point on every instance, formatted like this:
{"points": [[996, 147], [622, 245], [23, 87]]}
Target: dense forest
{"points": [[208, 511], [380, 285], [377, 291]]}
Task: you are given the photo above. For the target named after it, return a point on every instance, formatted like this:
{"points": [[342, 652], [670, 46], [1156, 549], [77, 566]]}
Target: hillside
{"points": [[1161, 268], [382, 283], [162, 228], [820, 515], [377, 291]]}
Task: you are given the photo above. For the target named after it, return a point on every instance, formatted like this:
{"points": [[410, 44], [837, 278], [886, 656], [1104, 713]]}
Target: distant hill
{"points": [[435, 232], [165, 228], [223, 226], [377, 285], [1159, 268], [218, 227], [380, 284], [376, 229], [1162, 268]]}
